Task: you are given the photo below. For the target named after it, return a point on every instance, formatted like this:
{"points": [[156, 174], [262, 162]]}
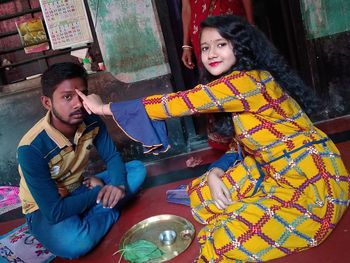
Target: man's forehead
{"points": [[71, 90], [70, 85]]}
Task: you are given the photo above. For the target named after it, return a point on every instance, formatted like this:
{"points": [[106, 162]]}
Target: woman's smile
{"points": [[214, 64]]}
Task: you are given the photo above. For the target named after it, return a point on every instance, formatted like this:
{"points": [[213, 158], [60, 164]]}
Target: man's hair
{"points": [[60, 72]]}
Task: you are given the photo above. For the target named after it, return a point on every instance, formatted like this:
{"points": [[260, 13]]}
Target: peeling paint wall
{"points": [[18, 112], [130, 38], [325, 17], [327, 27]]}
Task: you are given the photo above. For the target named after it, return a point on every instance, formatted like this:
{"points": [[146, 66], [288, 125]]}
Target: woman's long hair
{"points": [[254, 51]]}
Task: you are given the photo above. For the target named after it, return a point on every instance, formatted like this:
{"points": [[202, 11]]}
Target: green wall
{"points": [[325, 17], [130, 39], [18, 112]]}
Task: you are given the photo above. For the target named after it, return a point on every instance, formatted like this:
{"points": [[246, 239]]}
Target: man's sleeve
{"points": [[108, 152], [44, 190]]}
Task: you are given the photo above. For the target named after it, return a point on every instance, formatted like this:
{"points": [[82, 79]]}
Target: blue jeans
{"points": [[77, 235]]}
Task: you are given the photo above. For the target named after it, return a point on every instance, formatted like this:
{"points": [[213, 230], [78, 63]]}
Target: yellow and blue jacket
{"points": [[50, 167]]}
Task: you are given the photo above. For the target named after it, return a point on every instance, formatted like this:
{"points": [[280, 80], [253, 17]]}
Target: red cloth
{"points": [[200, 9]]}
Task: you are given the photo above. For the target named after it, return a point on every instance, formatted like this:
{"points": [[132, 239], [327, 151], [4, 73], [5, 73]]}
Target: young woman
{"points": [[195, 11], [290, 189], [219, 128]]}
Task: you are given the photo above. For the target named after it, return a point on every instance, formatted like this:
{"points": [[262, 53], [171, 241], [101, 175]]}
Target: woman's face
{"points": [[216, 52]]}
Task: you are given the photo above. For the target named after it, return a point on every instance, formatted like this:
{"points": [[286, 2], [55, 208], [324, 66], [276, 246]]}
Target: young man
{"points": [[67, 214]]}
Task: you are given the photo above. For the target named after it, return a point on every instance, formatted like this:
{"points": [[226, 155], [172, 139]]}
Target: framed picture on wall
{"points": [[66, 22], [32, 34]]}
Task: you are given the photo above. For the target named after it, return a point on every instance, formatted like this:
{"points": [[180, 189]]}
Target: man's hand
{"points": [[63, 192], [92, 181], [218, 190], [110, 195]]}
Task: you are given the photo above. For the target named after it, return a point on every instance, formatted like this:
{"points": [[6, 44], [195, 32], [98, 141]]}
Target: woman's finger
{"points": [[227, 195], [81, 95], [220, 204], [86, 107]]}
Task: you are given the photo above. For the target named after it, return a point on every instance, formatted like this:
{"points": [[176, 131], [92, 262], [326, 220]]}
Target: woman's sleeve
{"points": [[237, 92], [142, 119], [132, 119]]}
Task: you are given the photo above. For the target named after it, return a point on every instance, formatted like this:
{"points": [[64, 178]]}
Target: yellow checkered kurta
{"points": [[305, 189]]}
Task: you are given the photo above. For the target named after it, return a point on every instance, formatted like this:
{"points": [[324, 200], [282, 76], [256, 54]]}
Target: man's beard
{"points": [[61, 119]]}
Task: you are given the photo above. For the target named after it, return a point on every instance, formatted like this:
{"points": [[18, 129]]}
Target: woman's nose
{"points": [[212, 53]]}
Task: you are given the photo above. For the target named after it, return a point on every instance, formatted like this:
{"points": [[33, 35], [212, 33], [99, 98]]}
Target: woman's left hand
{"points": [[218, 190]]}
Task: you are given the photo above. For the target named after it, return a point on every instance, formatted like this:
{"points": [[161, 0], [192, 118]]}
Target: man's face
{"points": [[66, 106]]}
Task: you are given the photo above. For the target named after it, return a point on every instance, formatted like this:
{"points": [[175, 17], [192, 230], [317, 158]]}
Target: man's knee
{"points": [[74, 247], [136, 174]]}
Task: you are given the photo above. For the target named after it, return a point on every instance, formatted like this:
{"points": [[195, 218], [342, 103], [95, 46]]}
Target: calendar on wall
{"points": [[66, 22]]}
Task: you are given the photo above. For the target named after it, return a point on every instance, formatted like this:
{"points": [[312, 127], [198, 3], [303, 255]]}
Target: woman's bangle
{"points": [[186, 46], [103, 111]]}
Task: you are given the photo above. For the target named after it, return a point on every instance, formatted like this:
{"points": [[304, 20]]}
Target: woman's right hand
{"points": [[187, 58], [93, 104], [218, 190]]}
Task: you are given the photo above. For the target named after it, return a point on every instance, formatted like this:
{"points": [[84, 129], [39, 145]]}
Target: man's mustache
{"points": [[78, 112]]}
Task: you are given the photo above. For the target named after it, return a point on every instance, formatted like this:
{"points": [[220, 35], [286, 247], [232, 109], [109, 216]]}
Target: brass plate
{"points": [[150, 229]]}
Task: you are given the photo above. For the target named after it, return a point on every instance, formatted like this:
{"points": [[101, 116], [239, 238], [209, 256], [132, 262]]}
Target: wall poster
{"points": [[33, 36], [66, 22]]}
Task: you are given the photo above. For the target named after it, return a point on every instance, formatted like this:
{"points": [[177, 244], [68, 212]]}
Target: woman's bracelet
{"points": [[103, 111], [186, 46]]}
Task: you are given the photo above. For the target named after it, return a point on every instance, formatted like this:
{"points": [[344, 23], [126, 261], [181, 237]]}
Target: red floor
{"points": [[151, 201]]}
